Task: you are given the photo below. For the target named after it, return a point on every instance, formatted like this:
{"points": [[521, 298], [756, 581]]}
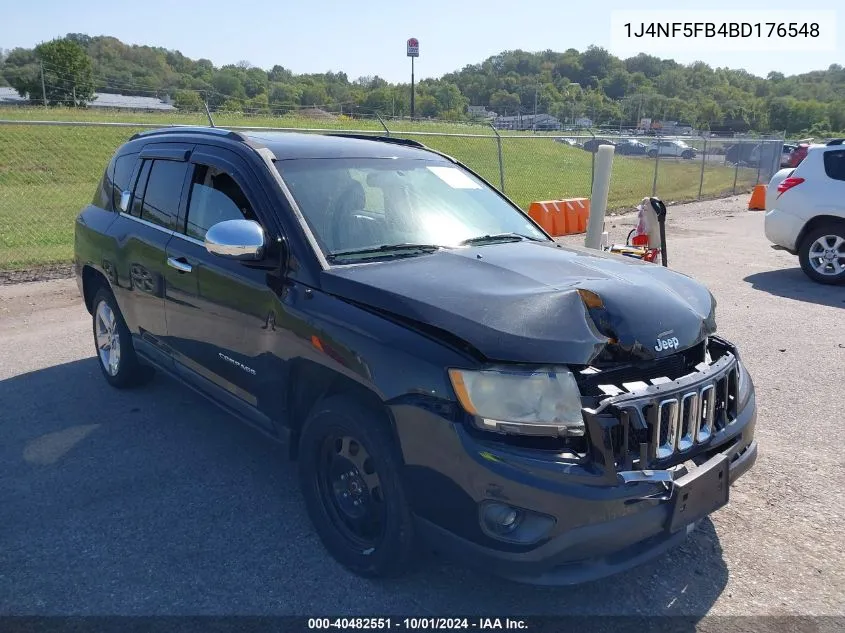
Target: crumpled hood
{"points": [[520, 302]]}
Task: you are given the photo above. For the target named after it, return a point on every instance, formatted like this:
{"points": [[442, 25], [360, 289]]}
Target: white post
{"points": [[598, 199]]}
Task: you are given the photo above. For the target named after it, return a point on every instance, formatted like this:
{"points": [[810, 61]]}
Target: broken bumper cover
{"points": [[590, 551]]}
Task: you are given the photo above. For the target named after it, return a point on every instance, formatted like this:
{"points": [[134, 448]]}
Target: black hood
{"points": [[525, 301]]}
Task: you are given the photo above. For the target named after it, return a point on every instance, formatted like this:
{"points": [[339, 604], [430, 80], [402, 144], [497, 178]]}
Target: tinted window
{"points": [[834, 164], [215, 197], [140, 188], [102, 196], [123, 167], [164, 189]]}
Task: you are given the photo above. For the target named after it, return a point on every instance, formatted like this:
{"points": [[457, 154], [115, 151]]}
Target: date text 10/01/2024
{"points": [[430, 623], [722, 30]]}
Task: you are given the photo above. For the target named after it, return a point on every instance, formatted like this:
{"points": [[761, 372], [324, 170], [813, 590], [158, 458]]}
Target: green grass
{"points": [[48, 173]]}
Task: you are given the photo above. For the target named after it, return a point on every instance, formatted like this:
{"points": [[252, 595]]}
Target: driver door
{"points": [[217, 309]]}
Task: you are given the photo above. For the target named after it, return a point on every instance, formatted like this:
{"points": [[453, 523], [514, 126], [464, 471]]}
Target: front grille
{"points": [[670, 420]]}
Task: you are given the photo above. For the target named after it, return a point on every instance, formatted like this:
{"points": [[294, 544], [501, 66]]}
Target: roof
{"points": [[291, 145]]}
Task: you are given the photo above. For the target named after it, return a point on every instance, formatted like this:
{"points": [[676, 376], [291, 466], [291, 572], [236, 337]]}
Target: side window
{"points": [[164, 189], [140, 188], [102, 197], [123, 167], [834, 164], [214, 197]]}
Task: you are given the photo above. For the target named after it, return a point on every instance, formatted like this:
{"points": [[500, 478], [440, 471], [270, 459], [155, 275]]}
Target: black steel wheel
{"points": [[350, 474], [350, 490]]}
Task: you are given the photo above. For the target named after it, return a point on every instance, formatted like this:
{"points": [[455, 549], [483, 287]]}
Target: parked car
{"points": [[671, 148], [805, 212], [788, 148], [593, 144], [566, 141], [798, 154], [443, 371], [630, 147]]}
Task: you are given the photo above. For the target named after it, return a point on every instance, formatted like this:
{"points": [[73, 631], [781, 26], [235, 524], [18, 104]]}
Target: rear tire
{"points": [[822, 253], [350, 474], [652, 154], [113, 344]]}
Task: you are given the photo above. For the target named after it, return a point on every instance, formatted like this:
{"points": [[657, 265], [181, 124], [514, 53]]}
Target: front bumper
{"points": [[584, 553], [610, 512]]}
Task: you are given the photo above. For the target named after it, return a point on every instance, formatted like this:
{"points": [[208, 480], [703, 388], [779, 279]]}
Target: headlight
{"points": [[743, 387], [543, 401]]}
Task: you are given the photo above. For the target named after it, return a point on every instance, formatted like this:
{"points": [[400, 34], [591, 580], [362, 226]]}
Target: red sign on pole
{"points": [[413, 47]]}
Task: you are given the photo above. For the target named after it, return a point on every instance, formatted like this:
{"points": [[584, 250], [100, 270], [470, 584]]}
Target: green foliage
{"points": [[68, 72], [571, 84]]}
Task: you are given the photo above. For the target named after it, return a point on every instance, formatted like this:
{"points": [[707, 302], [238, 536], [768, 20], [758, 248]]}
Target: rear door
{"points": [[221, 313], [143, 231]]}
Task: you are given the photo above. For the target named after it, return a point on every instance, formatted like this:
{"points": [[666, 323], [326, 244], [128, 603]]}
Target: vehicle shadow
{"points": [[792, 283], [153, 502]]}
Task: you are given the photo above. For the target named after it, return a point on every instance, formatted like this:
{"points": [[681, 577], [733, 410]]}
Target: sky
{"points": [[368, 37]]}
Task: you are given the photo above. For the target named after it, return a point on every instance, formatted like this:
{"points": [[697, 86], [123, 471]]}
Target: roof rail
{"points": [[188, 129], [384, 139], [837, 141]]}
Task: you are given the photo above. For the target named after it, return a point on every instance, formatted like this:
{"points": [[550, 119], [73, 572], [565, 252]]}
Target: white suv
{"points": [[805, 212], [671, 148]]}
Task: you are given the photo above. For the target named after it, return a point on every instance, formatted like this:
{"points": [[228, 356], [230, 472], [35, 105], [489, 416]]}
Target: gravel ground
{"points": [[154, 502]]}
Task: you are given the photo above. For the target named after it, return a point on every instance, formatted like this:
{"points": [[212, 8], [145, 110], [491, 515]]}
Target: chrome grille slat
{"points": [[667, 447], [689, 420], [676, 420], [707, 413]]}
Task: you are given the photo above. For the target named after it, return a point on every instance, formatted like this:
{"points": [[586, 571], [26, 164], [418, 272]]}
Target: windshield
{"points": [[360, 204]]}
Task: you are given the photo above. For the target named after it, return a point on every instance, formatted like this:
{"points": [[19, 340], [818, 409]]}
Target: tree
{"points": [[188, 100], [503, 102], [68, 72]]}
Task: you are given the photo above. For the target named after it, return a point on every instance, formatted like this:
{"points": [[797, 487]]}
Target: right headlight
{"points": [[542, 401], [744, 386]]}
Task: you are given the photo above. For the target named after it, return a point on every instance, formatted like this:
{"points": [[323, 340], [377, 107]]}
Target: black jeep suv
{"points": [[442, 369]]}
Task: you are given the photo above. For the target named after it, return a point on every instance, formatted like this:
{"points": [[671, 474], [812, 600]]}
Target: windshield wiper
{"points": [[388, 250], [498, 237]]}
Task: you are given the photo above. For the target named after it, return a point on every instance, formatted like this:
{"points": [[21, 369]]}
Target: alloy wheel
{"points": [[827, 255], [107, 338]]}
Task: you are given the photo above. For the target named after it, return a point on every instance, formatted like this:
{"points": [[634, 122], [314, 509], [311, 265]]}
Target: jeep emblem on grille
{"points": [[667, 343]]}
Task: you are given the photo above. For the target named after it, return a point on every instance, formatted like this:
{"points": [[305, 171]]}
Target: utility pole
{"points": [[535, 110], [43, 89], [74, 95]]}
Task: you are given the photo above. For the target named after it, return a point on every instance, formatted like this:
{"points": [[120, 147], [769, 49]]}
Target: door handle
{"points": [[180, 264]]}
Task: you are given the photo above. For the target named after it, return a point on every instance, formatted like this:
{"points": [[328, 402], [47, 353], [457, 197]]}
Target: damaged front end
{"points": [[650, 416]]}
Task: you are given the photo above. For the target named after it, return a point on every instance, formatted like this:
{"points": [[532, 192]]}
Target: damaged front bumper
{"points": [[658, 461]]}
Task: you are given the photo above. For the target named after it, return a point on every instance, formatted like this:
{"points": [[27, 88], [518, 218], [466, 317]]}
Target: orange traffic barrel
{"points": [[758, 199]]}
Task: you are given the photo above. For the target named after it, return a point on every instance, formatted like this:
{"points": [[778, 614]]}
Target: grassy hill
{"points": [[49, 172]]}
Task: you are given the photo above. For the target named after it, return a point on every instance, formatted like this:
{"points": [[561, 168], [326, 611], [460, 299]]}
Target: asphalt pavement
{"points": [[153, 501]]}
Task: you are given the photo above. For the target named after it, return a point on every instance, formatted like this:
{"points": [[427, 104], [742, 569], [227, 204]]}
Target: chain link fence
{"points": [[49, 170]]}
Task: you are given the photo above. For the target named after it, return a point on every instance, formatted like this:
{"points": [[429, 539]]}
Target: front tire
{"points": [[350, 474], [822, 253], [113, 344]]}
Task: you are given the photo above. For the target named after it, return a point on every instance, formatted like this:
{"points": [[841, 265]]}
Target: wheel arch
{"points": [[814, 223], [92, 280], [310, 383]]}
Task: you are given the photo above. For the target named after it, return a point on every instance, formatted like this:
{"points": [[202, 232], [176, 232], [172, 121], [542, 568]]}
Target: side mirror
{"points": [[125, 196], [236, 239]]}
